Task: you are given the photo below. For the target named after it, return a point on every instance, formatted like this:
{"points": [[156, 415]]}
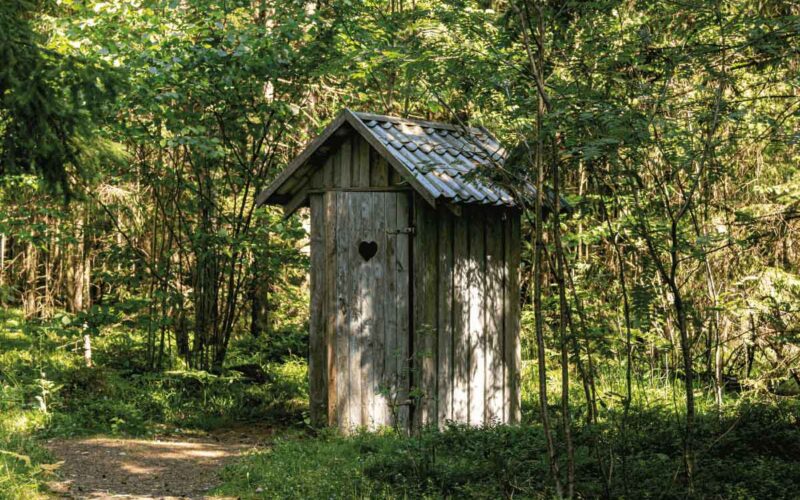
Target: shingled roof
{"points": [[441, 161]]}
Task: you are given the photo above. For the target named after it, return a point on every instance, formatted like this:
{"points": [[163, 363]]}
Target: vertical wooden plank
{"points": [[328, 172], [511, 321], [366, 303], [344, 334], [361, 165], [376, 289], [431, 284], [357, 145], [331, 310], [477, 339], [444, 366], [403, 277], [395, 179], [317, 178], [460, 319], [379, 170], [344, 164], [389, 385], [425, 314], [317, 369], [494, 318], [356, 327]]}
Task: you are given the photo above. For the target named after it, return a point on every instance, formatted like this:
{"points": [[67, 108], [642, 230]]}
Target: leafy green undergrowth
{"points": [[99, 400], [750, 452], [47, 391], [20, 454]]}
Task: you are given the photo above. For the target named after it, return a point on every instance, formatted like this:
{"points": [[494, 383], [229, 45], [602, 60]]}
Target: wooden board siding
{"points": [[360, 323], [437, 310], [346, 392], [402, 270], [475, 342], [460, 374], [477, 338], [329, 273], [317, 364], [392, 364], [357, 284], [379, 168], [354, 165], [444, 363], [425, 361], [512, 307], [493, 319]]}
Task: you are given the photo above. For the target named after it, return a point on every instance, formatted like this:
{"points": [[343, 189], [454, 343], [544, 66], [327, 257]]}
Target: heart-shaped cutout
{"points": [[367, 249]]}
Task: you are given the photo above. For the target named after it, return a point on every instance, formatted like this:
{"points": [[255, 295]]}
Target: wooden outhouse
{"points": [[414, 274]]}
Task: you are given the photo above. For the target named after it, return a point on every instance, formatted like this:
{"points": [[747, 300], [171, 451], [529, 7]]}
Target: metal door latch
{"points": [[405, 230]]}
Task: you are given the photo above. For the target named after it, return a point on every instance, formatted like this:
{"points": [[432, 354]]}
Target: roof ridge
{"points": [[423, 123]]}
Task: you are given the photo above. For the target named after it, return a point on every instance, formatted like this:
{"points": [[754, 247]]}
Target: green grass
{"points": [[297, 466], [747, 453], [20, 454], [749, 449], [20, 421], [46, 391]]}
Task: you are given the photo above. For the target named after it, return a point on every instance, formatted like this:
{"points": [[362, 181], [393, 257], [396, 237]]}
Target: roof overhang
{"points": [[345, 123], [434, 159]]}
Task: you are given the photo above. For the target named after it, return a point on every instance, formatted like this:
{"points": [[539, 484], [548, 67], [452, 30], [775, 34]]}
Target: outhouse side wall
{"points": [[466, 347]]}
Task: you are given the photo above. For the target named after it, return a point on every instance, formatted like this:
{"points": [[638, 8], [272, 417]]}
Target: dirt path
{"points": [[165, 468]]}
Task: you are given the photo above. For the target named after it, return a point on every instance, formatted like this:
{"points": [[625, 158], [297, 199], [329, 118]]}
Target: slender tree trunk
{"points": [[628, 345], [536, 62], [562, 323], [2, 268], [259, 293], [30, 281], [87, 350]]}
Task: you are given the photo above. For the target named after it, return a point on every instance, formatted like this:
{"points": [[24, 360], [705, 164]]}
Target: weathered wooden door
{"points": [[370, 342]]}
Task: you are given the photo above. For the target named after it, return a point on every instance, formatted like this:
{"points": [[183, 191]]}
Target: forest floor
{"points": [[119, 430], [164, 467]]}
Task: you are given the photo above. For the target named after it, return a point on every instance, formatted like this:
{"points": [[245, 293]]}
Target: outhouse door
{"points": [[372, 307]]}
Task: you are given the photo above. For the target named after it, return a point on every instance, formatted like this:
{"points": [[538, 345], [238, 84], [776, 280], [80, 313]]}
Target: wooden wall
{"points": [[466, 315], [360, 310], [354, 165], [435, 314]]}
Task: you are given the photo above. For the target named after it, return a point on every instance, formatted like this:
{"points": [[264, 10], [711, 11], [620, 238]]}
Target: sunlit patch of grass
{"points": [[20, 455], [47, 391], [297, 467]]}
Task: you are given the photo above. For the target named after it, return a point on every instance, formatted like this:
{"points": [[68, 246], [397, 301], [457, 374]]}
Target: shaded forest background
{"points": [[136, 134]]}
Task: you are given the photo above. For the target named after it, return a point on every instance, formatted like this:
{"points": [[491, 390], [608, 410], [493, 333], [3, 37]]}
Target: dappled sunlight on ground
{"points": [[138, 468]]}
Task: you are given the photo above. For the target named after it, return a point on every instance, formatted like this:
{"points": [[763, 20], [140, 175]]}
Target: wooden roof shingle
{"points": [[440, 160]]}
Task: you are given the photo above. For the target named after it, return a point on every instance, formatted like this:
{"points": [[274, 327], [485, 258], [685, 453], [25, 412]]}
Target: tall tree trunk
{"points": [[78, 261], [259, 293], [562, 323], [626, 309], [2, 268], [30, 281], [536, 62]]}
